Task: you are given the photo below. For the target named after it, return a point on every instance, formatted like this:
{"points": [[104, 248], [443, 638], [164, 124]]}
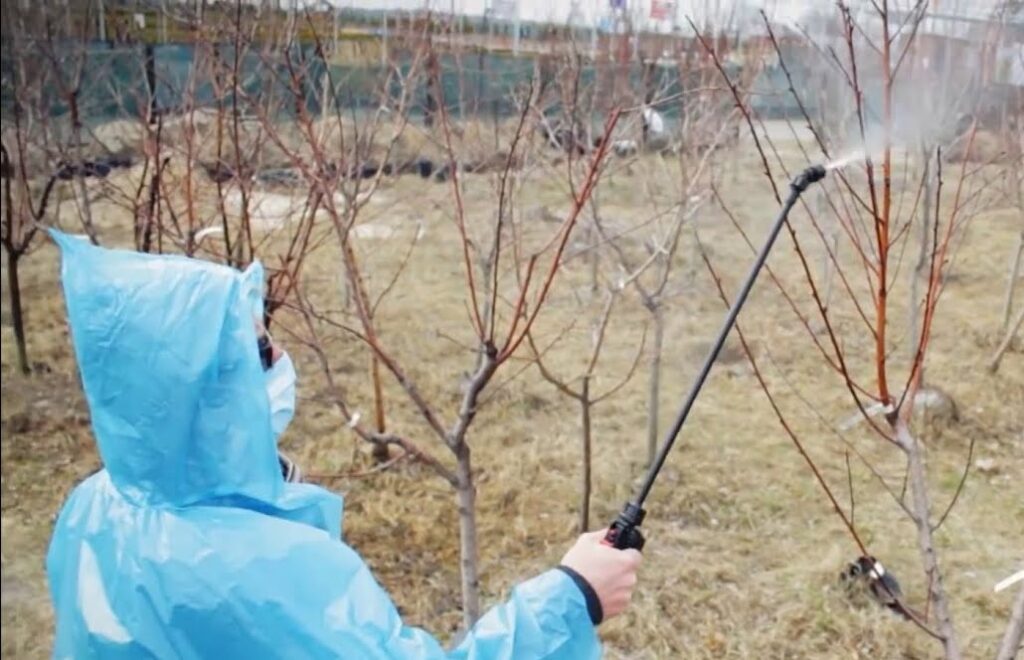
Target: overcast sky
{"points": [[587, 11], [645, 13]]}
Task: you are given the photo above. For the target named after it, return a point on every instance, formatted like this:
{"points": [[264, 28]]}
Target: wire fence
{"points": [[127, 81]]}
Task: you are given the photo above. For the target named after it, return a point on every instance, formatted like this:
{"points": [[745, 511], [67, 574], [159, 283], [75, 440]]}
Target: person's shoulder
{"points": [[95, 491], [248, 528], [237, 560]]}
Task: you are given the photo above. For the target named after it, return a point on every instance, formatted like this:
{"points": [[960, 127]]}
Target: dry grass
{"points": [[743, 552]]}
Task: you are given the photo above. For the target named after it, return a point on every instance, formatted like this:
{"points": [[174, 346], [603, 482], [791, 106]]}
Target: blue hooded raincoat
{"points": [[189, 544]]}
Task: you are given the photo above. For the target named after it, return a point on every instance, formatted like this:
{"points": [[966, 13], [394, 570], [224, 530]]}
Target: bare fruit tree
{"points": [[580, 388], [678, 126], [876, 205], [40, 150], [706, 128], [344, 160]]}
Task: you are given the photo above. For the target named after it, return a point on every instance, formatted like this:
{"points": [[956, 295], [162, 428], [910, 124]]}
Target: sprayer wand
{"points": [[624, 532]]}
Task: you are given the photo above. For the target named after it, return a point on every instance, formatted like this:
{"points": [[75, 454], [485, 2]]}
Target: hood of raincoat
{"points": [[166, 347], [189, 544]]}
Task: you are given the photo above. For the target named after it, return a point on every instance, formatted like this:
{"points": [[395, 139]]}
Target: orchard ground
{"points": [[744, 551]]}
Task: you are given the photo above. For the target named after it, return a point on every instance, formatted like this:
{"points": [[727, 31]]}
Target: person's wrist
{"points": [[594, 608]]}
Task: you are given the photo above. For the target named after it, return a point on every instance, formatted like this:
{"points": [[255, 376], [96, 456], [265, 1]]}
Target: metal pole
{"points": [[102, 18], [384, 40], [593, 38], [67, 18], [336, 21], [516, 28], [624, 532], [163, 21]]}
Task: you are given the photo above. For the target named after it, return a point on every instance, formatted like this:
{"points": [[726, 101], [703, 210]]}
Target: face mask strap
{"points": [[266, 347]]}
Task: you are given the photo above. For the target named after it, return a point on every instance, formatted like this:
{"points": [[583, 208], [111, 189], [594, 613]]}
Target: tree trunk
{"points": [[1011, 284], [654, 386], [150, 67], [346, 293], [1015, 269], [828, 270], [380, 451], [1011, 332], [152, 204], [593, 238], [921, 507], [432, 105], [585, 405], [355, 289], [1014, 630], [465, 488], [922, 255], [17, 315], [328, 100], [84, 208], [466, 493]]}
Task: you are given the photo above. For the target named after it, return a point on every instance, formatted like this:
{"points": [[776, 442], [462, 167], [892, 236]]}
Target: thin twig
{"points": [[959, 486], [359, 474]]}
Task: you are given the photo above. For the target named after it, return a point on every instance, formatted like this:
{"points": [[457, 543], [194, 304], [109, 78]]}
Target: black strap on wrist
{"points": [[594, 608]]}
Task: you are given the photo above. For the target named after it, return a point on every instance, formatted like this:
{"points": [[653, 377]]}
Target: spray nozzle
{"points": [[811, 175]]}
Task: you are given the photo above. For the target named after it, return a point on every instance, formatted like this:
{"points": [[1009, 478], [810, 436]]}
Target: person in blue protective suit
{"points": [[191, 542]]}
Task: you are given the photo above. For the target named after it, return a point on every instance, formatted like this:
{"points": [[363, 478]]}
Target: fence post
{"points": [[102, 21], [384, 40], [150, 63], [515, 30]]}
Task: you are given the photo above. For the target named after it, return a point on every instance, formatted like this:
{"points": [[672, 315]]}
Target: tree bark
{"points": [[827, 265], [1011, 644], [1011, 332], [1011, 284], [922, 255], [84, 208], [17, 314], [593, 238], [654, 385], [355, 288], [920, 505], [149, 59], [466, 488], [585, 404], [380, 451], [466, 495]]}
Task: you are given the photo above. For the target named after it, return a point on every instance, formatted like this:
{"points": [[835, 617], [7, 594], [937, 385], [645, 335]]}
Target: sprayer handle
{"points": [[623, 537], [624, 533]]}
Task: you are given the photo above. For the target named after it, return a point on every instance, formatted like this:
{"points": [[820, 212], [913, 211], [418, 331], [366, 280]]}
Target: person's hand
{"points": [[610, 572]]}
